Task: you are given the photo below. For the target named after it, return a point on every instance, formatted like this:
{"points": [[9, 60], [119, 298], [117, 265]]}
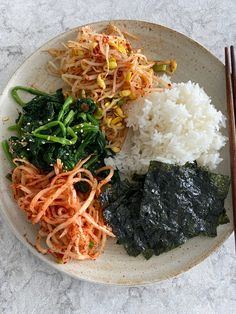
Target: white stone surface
{"points": [[29, 286]]}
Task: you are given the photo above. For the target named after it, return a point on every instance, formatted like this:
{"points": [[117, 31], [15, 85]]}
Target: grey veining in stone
{"points": [[29, 286]]}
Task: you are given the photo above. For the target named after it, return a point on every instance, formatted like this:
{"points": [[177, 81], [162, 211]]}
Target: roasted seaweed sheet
{"points": [[163, 209]]}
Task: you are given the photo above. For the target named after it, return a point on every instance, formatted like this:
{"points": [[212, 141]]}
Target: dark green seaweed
{"points": [[167, 207]]}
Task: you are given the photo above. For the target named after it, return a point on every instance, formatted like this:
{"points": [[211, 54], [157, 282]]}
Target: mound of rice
{"points": [[176, 126]]}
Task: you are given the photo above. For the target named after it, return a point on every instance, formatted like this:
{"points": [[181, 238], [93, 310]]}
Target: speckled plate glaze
{"points": [[115, 266]]}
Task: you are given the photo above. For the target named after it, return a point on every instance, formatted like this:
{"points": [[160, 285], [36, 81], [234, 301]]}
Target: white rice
{"points": [[176, 126]]}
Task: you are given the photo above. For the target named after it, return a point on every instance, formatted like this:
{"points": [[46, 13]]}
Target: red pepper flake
{"points": [[105, 39], [119, 73], [128, 46], [96, 50]]}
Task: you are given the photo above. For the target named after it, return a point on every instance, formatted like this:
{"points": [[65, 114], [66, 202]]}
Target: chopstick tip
{"points": [[232, 51]]}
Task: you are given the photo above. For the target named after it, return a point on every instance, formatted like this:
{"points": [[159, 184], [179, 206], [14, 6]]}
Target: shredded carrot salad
{"points": [[71, 222], [105, 67]]}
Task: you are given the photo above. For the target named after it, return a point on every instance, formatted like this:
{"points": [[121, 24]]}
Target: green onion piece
{"points": [[159, 67], [30, 90], [98, 113], [91, 244], [121, 102], [65, 107]]}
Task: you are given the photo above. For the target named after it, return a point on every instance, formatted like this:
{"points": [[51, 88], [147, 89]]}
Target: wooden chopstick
{"points": [[233, 77], [231, 109]]}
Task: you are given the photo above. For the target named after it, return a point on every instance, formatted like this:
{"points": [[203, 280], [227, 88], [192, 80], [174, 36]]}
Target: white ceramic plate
{"points": [[115, 266]]}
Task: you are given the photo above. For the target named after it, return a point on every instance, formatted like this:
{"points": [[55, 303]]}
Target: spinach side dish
{"points": [[51, 127]]}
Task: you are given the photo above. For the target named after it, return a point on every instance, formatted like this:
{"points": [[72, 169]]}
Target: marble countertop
{"points": [[29, 286]]}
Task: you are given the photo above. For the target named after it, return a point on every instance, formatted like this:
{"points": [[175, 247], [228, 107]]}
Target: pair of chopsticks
{"points": [[230, 75]]}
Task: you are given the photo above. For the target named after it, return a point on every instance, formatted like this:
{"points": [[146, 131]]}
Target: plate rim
{"points": [[54, 265]]}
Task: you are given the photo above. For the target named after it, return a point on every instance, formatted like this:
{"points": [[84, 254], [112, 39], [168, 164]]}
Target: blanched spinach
{"points": [[166, 207], [51, 127]]}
